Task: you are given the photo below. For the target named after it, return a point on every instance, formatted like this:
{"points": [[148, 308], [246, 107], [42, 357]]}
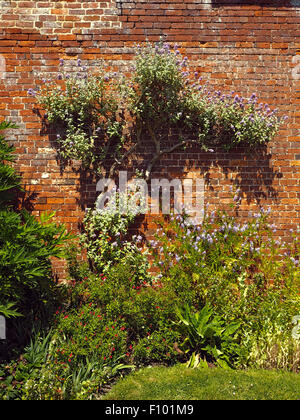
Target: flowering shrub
{"points": [[83, 110], [167, 99], [103, 118], [106, 238], [240, 271], [109, 322]]}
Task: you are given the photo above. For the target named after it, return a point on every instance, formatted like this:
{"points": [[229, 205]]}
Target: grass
{"points": [[181, 383]]}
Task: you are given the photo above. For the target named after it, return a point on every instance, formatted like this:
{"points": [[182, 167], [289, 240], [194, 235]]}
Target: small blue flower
{"points": [[31, 92]]}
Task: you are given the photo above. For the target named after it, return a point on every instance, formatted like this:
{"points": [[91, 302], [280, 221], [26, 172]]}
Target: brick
{"points": [[245, 48]]}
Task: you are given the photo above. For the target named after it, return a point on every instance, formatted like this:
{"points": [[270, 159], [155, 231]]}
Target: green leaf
{"points": [[8, 312]]}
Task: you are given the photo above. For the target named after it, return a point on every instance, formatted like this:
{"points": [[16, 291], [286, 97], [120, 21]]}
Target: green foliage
{"points": [[136, 308], [237, 312], [195, 362], [27, 287], [102, 118], [167, 95], [209, 334], [26, 246], [17, 373], [158, 93], [85, 112], [243, 274], [9, 179], [8, 311], [105, 235], [99, 333]]}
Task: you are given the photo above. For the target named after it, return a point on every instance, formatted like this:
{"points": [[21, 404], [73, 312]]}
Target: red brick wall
{"points": [[245, 46]]}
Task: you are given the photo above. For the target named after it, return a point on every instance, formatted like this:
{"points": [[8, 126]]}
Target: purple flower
{"points": [[31, 92], [79, 62], [61, 62]]}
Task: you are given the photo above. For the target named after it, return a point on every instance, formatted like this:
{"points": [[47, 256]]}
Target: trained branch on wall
{"points": [[103, 119]]}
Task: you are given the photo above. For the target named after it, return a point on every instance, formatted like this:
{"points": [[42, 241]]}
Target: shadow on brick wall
{"points": [[26, 199], [250, 171]]}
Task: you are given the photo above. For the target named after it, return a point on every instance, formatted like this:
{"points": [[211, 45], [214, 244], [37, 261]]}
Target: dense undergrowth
{"points": [[226, 294]]}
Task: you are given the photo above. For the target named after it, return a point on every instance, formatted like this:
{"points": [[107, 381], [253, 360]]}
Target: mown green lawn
{"points": [[181, 383]]}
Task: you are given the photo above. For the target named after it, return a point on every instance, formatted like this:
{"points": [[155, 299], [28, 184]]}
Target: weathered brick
{"points": [[240, 47]]}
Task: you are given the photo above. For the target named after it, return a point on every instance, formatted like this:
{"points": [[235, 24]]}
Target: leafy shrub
{"points": [[84, 109], [105, 117], [167, 95], [17, 373], [26, 246], [141, 307], [9, 179], [25, 269], [106, 235], [240, 271], [208, 334], [111, 323]]}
